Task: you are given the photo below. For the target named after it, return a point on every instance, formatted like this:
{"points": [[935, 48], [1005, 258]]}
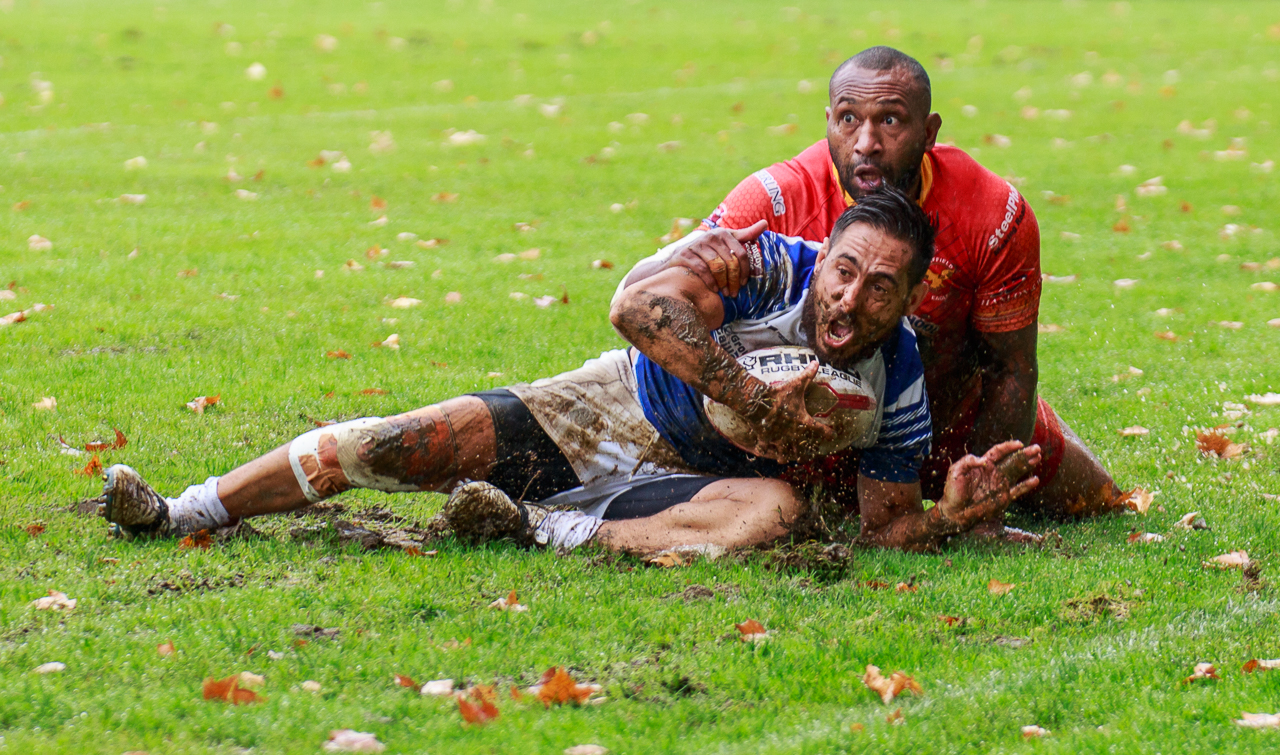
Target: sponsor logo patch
{"points": [[773, 190]]}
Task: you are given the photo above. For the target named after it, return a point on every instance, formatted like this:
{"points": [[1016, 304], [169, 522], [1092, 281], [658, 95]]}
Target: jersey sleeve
{"points": [[776, 262], [1007, 297], [906, 427], [756, 197]]}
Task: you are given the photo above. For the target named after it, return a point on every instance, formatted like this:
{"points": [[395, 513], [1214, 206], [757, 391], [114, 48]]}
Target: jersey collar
{"points": [[926, 181]]}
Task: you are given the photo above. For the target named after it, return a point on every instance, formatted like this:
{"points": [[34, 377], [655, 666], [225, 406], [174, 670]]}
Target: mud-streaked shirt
{"points": [[766, 312]]}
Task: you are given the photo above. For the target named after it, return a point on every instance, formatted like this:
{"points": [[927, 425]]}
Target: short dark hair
{"points": [[881, 58], [892, 212]]}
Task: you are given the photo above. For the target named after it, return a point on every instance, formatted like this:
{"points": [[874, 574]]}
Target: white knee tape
{"points": [[326, 460]]}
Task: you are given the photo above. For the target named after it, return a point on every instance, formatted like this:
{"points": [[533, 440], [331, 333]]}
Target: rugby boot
{"points": [[132, 507], [479, 512]]}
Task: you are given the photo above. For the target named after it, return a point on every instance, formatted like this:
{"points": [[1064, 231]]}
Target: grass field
{"points": [[224, 297]]}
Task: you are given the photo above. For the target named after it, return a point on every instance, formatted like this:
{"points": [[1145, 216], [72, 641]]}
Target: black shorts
{"points": [[530, 467]]}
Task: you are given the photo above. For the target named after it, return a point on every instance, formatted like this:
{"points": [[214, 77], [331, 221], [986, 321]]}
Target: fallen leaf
{"points": [[1202, 671], [430, 243], [602, 265], [1264, 665], [37, 243], [586, 750], [1121, 226], [679, 227], [339, 354], [1259, 720], [508, 603], [996, 587], [35, 530], [377, 203], [1167, 335], [904, 587], [311, 686], [132, 198], [228, 690], [444, 197], [952, 621], [477, 714], [1229, 324], [246, 195], [530, 254], [250, 680], [166, 649], [405, 681], [1032, 731], [1145, 537], [557, 687], [52, 667], [352, 266], [1232, 560], [201, 540], [438, 688], [1125, 282], [889, 688], [752, 631], [1139, 499], [1058, 278], [542, 302], [200, 403], [93, 468], [48, 403], [350, 740], [54, 601], [373, 392], [1217, 445], [375, 251], [1191, 521], [404, 302], [120, 442], [895, 718], [1134, 431], [1264, 399], [453, 297], [1266, 286], [392, 342]]}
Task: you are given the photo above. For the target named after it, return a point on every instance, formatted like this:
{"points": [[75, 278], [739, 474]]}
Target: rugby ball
{"points": [[841, 400]]}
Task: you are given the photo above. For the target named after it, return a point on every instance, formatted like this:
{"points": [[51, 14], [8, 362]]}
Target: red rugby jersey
{"points": [[985, 275]]}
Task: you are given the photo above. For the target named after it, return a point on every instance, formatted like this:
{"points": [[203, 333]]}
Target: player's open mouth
{"points": [[868, 178], [839, 334]]}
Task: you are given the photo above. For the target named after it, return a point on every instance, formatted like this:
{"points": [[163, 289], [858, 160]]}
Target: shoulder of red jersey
{"points": [[786, 194], [968, 193]]}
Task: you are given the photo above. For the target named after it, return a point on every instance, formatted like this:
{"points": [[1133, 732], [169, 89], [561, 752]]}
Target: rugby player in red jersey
{"points": [[977, 325]]}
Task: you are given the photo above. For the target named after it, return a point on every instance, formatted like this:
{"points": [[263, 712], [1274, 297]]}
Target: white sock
{"points": [[567, 529], [198, 508]]}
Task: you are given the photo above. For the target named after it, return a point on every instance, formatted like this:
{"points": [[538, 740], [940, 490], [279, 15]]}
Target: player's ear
{"points": [[916, 298], [932, 125], [822, 251]]}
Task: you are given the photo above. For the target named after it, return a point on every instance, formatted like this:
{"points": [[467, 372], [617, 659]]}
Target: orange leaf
{"points": [[750, 626], [952, 621], [996, 587], [339, 354], [35, 530], [316, 163], [373, 392], [166, 649], [904, 587], [199, 403], [1167, 335], [602, 265], [516, 694], [120, 442], [1202, 671], [405, 681], [483, 693], [94, 467], [895, 718], [444, 197], [856, 728], [564, 298], [875, 584], [476, 714], [889, 688], [277, 92], [1121, 226], [1265, 665], [201, 540], [559, 688], [377, 203], [228, 690]]}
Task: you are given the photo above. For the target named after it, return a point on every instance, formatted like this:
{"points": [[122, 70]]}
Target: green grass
{"points": [[129, 342]]}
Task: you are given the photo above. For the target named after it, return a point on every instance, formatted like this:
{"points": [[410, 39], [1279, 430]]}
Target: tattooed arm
{"points": [[893, 515], [669, 317], [1009, 377]]}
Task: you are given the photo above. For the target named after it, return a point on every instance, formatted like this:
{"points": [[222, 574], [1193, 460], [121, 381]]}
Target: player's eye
{"points": [[890, 120], [847, 118]]}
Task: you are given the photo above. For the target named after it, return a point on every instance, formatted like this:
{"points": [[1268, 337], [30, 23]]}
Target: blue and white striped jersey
{"points": [[767, 312]]}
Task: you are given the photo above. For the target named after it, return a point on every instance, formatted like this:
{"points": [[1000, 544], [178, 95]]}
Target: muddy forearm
{"points": [[914, 532], [671, 332]]}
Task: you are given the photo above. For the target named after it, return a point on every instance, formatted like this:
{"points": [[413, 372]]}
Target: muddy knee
{"points": [[407, 452]]}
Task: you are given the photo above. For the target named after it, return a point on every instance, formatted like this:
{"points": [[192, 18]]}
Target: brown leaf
{"points": [[1202, 671], [889, 688], [484, 693], [895, 718], [856, 728], [20, 206], [1167, 335], [1264, 665], [751, 630], [199, 403], [516, 694], [476, 714], [904, 587], [875, 584], [564, 298], [191, 273], [1122, 226], [1232, 560], [166, 649], [197, 540], [94, 467], [373, 392], [1033, 731], [35, 530], [444, 197], [276, 92], [1134, 431], [1144, 538], [558, 688], [375, 251], [952, 621], [377, 203], [1139, 499], [318, 162], [667, 560], [602, 265], [405, 681], [338, 354], [996, 587], [1217, 445], [120, 442], [228, 690]]}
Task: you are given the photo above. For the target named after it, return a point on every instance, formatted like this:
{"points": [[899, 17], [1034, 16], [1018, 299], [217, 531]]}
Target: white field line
{"points": [[732, 87], [1040, 673]]}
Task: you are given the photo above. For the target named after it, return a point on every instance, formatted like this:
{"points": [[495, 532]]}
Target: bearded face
{"points": [[878, 130]]}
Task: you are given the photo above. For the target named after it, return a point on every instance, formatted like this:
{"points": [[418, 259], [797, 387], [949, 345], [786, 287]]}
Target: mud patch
{"points": [[1090, 609], [826, 563], [695, 593], [1252, 580]]}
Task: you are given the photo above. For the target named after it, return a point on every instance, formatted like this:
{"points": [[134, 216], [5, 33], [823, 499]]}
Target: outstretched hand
{"points": [[718, 257], [979, 488], [788, 432]]}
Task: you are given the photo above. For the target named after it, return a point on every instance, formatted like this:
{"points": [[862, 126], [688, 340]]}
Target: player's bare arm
{"points": [[1009, 377], [893, 514], [669, 318]]}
